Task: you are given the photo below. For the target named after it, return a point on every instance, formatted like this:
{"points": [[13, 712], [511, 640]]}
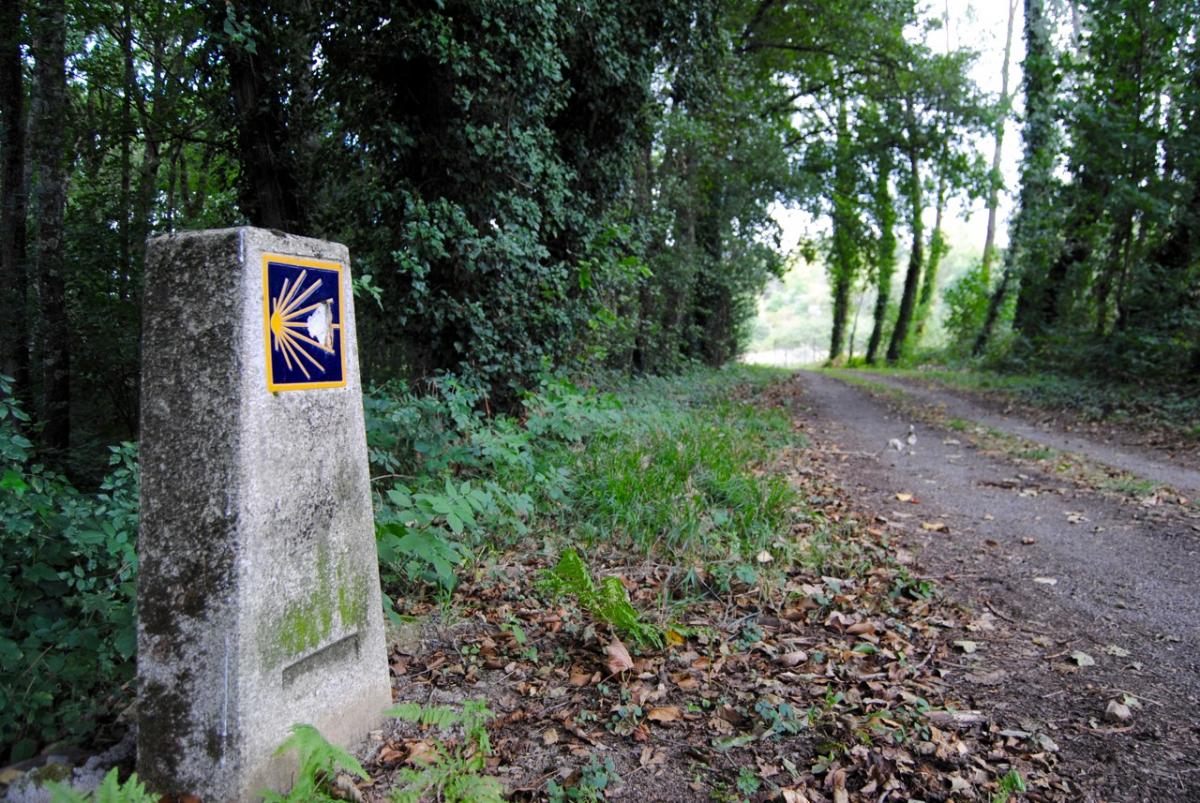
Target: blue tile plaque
{"points": [[302, 323]]}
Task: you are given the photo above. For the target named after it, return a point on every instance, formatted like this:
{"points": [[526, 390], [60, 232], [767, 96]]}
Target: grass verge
{"points": [[1170, 408]]}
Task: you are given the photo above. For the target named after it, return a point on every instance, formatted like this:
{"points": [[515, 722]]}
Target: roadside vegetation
{"points": [[627, 583]]}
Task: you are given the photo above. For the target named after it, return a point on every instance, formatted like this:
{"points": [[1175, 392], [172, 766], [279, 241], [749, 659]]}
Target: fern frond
{"points": [[436, 716]]}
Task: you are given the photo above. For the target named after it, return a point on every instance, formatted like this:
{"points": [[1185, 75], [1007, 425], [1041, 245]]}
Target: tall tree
{"points": [[14, 326], [883, 209], [1037, 297], [844, 257], [993, 202], [1031, 232], [914, 142], [49, 150]]}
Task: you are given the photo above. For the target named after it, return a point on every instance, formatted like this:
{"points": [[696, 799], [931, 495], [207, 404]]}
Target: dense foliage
{"points": [[522, 185], [67, 589], [1105, 262]]}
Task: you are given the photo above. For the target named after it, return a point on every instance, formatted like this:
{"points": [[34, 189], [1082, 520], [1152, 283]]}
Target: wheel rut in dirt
{"points": [[1150, 464], [1065, 571]]}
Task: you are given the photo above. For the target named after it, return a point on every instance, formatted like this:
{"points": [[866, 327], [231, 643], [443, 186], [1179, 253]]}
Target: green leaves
{"points": [[67, 585], [609, 602], [449, 772], [320, 762], [111, 790]]}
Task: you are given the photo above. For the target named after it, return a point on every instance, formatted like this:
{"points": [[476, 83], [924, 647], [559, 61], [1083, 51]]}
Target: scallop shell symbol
{"points": [[296, 329]]}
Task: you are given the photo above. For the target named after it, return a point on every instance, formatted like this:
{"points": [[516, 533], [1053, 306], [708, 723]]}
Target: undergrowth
{"points": [[452, 771], [666, 466], [608, 602], [663, 465]]}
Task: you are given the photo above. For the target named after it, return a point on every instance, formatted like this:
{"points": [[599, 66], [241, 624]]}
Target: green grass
{"points": [[684, 482], [665, 466], [1131, 486]]}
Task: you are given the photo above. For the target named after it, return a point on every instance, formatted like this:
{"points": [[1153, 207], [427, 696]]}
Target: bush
{"points": [[67, 589], [966, 307]]}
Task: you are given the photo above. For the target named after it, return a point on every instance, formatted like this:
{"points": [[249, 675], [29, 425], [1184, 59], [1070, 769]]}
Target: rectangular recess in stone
{"points": [[302, 323], [340, 650]]}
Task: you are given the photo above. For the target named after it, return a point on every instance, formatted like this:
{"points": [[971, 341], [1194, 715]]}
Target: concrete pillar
{"points": [[258, 588]]}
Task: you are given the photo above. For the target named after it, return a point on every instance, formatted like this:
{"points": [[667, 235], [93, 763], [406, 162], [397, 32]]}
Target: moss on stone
{"points": [[308, 622]]}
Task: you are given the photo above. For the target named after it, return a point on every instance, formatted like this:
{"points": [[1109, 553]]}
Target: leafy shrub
{"points": [[67, 587], [469, 476], [966, 304]]}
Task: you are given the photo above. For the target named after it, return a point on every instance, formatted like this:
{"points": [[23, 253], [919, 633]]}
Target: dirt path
{"points": [[1170, 469], [1053, 570]]}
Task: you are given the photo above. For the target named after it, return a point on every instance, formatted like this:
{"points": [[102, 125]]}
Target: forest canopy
{"points": [[528, 187]]}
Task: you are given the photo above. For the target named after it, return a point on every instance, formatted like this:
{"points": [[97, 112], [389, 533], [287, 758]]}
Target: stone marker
{"points": [[258, 589]]}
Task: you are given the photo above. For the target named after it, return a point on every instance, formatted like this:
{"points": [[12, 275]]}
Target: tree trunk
{"points": [[844, 259], [48, 133], [127, 136], [937, 250], [989, 239], [14, 282], [270, 195], [996, 302], [885, 253], [915, 258], [1035, 300]]}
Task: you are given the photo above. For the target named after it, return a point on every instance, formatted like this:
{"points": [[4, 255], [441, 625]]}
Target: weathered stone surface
{"points": [[258, 593]]}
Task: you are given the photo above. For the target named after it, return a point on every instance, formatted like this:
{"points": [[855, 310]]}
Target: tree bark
{"points": [[937, 250], [270, 191], [916, 257], [885, 253], [1035, 297], [48, 134], [844, 259], [989, 239], [14, 282]]}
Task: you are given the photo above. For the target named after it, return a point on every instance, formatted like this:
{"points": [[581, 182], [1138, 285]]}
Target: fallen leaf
{"points": [[343, 788], [1081, 658], [421, 751], [618, 657], [793, 658], [1117, 712], [794, 796], [956, 719], [652, 758], [1046, 743], [666, 713]]}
